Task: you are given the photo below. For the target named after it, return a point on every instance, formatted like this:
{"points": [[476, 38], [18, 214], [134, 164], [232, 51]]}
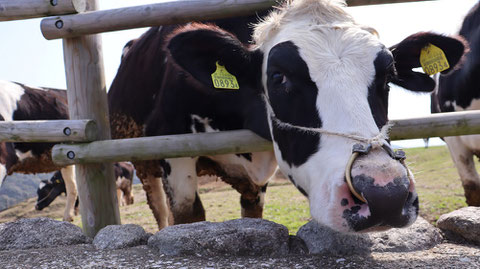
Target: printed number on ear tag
{"points": [[223, 80], [433, 60]]}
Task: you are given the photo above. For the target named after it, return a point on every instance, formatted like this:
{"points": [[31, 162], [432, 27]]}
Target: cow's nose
{"points": [[37, 207], [385, 201]]}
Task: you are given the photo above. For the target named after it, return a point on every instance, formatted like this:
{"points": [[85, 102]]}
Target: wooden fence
{"points": [[88, 101]]}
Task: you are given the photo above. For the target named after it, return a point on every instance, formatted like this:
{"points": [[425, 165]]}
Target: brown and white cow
{"points": [[313, 82], [459, 91], [20, 102], [49, 190]]}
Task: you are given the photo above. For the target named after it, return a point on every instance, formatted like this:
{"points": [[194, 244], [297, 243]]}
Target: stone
{"points": [[39, 233], [240, 237], [120, 236], [297, 246], [463, 223], [323, 240]]}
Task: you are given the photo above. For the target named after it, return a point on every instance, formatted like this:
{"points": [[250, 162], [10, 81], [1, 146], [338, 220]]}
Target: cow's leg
{"points": [[128, 196], [463, 159], [68, 174], [250, 183], [180, 179], [156, 199], [252, 201], [120, 197]]}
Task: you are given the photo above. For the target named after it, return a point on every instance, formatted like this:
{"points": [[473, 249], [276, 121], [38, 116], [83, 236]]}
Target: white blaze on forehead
{"points": [[41, 185], [10, 94]]}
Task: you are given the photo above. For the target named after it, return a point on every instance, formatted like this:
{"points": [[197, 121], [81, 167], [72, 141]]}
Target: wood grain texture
{"points": [[27, 9], [148, 15], [352, 3], [48, 131], [437, 125], [241, 141], [87, 99], [150, 148]]}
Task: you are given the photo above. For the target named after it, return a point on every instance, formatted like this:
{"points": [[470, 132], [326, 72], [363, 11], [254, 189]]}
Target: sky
{"points": [[26, 57]]}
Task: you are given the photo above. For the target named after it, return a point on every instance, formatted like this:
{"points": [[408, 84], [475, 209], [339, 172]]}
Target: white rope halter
{"points": [[378, 141]]}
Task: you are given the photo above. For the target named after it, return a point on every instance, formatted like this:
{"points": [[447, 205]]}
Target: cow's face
{"points": [[317, 69], [48, 190]]}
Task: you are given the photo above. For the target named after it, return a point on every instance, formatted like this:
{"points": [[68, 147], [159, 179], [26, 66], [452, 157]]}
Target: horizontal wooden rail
{"points": [[159, 147], [160, 14], [241, 141], [378, 2], [48, 131], [437, 125], [27, 9], [147, 15]]}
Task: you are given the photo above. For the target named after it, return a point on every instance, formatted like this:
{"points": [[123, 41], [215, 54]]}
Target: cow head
{"points": [[48, 190], [325, 83]]}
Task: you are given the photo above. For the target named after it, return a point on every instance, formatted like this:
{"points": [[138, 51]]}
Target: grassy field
{"points": [[438, 187]]}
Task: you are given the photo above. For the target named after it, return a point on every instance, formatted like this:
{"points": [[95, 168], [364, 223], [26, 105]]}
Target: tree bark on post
{"points": [[87, 99]]}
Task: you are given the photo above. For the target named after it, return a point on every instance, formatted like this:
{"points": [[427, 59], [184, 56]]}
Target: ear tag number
{"points": [[221, 79], [433, 60]]}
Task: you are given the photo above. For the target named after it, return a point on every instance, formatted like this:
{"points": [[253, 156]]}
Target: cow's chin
{"points": [[344, 213]]}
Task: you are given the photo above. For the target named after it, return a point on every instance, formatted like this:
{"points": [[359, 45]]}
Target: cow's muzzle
{"points": [[359, 149]]}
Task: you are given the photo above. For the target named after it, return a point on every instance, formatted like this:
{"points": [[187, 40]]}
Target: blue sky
{"points": [[28, 58]]}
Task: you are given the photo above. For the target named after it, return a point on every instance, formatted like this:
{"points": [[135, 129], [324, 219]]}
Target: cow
{"points": [[458, 91], [21, 102], [312, 81], [49, 190]]}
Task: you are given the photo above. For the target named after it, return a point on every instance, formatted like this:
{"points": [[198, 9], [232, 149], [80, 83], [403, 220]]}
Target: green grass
{"points": [[438, 185]]}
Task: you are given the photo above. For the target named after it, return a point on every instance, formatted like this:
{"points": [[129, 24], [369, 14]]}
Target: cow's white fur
{"points": [[68, 174], [259, 170], [9, 96], [23, 155], [340, 56]]}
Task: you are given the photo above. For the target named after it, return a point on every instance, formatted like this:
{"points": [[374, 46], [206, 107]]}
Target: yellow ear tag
{"points": [[223, 80], [57, 181], [433, 60]]}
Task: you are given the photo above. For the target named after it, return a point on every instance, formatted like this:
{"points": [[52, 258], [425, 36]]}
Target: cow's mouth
{"points": [[379, 216], [382, 190]]}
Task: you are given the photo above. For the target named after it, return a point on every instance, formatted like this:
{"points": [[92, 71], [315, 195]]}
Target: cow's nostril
{"points": [[385, 200]]}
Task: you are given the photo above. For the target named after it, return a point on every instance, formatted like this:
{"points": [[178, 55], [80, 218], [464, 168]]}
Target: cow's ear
{"points": [[197, 48], [407, 57]]}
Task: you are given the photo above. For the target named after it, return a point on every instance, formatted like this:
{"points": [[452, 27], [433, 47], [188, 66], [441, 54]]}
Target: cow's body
{"points": [[322, 81], [162, 113], [460, 91], [20, 102], [49, 190]]}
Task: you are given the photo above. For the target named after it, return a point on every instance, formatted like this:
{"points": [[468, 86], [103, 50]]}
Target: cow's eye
{"points": [[279, 78]]}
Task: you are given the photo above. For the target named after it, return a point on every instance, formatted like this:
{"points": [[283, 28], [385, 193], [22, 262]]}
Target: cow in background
{"points": [[313, 82], [49, 190], [20, 102], [460, 91]]}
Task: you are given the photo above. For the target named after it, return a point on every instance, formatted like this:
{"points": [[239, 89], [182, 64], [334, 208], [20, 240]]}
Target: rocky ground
{"points": [[243, 243]]}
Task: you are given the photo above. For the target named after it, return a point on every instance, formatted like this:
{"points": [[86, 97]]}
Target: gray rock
{"points": [[297, 246], [322, 240], [463, 223], [120, 236], [39, 233], [241, 237]]}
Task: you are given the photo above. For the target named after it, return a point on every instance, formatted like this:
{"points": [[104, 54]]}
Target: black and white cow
{"points": [[20, 102], [49, 190], [459, 91], [313, 82]]}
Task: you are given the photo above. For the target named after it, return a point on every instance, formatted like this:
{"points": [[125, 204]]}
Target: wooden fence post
{"points": [[87, 99]]}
